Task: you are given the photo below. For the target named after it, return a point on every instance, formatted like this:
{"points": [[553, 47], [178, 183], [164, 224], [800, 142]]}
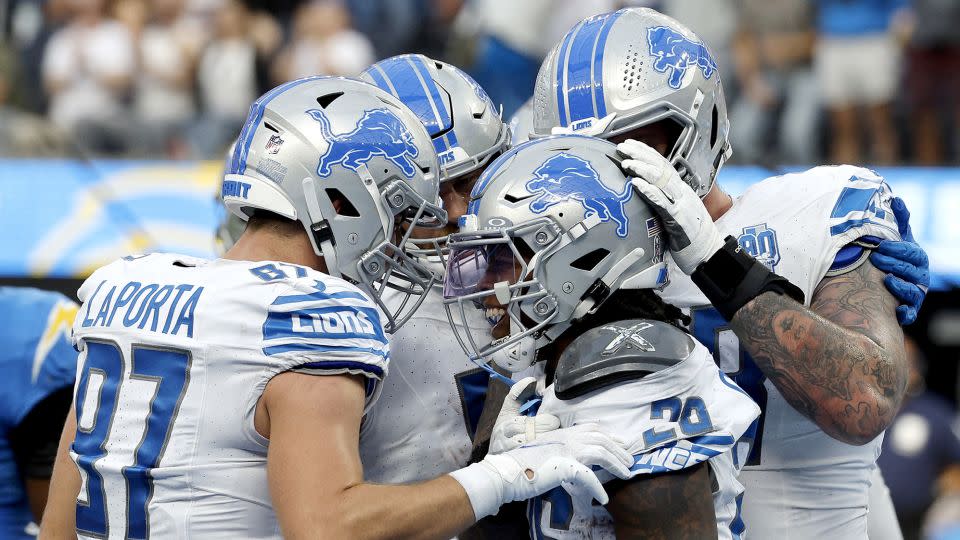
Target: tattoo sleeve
{"points": [[840, 362], [675, 505]]}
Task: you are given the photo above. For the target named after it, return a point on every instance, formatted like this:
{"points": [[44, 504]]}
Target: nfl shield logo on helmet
{"points": [[761, 242], [274, 144]]}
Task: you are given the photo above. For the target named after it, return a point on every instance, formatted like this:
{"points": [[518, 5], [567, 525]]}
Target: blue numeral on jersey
{"points": [[272, 272], [561, 512], [691, 414], [709, 327], [104, 370], [169, 370]]}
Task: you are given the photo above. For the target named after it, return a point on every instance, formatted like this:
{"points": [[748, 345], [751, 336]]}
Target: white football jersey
{"points": [[423, 424], [800, 482], [678, 417], [175, 353]]}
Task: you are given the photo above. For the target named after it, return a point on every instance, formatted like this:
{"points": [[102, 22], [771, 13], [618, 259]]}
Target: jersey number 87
{"points": [[157, 380]]}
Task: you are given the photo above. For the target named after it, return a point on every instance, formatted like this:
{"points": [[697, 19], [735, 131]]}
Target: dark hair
{"points": [[261, 219], [633, 304]]}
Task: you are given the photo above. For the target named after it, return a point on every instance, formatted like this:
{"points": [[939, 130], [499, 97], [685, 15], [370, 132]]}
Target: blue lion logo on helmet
{"points": [[566, 177], [672, 50], [378, 133]]}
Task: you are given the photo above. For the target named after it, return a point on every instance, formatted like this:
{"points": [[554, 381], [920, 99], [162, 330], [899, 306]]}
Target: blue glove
{"points": [[906, 264]]}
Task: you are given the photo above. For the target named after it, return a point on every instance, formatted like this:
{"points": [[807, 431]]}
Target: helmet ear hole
{"points": [[590, 260], [714, 120], [341, 204]]}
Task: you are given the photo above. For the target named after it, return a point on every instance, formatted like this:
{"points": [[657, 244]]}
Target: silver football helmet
{"points": [[350, 162], [614, 73], [553, 227], [229, 226], [466, 127], [521, 123]]}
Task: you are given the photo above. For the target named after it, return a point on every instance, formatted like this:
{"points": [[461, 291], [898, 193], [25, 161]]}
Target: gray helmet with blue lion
{"points": [[554, 226], [616, 72], [348, 161]]}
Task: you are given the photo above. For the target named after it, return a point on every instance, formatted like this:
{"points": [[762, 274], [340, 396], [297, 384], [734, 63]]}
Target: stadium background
{"points": [[115, 115]]}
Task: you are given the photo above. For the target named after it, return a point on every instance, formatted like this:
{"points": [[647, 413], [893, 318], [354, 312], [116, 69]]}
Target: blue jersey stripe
{"points": [[579, 87], [344, 364], [319, 295], [600, 104], [313, 347], [238, 163], [852, 200], [561, 90]]}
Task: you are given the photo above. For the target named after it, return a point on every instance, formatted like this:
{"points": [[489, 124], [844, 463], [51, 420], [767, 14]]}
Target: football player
{"points": [[39, 365], [425, 418], [224, 398], [561, 248], [786, 282]]}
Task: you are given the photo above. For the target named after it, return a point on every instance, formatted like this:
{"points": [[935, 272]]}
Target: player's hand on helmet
{"points": [[691, 234], [513, 429], [906, 264]]}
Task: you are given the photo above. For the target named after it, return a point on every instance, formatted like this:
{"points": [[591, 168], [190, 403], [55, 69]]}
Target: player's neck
{"points": [[264, 245], [717, 202]]}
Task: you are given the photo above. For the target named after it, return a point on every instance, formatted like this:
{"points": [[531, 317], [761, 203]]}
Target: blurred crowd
{"points": [[860, 81]]}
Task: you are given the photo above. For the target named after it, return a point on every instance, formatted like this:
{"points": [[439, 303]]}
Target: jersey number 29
{"points": [[158, 378]]}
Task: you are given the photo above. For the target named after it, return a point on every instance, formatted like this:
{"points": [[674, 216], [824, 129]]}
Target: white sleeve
{"points": [[326, 328]]}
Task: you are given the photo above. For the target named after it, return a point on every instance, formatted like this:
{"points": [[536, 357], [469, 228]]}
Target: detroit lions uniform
{"points": [[38, 359], [800, 483], [423, 424], [175, 353], [683, 413]]}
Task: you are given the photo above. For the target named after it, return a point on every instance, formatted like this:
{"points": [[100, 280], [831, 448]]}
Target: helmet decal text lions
{"points": [[678, 53], [566, 177], [378, 133]]}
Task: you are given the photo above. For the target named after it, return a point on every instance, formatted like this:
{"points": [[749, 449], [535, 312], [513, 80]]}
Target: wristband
{"points": [[731, 277], [483, 486]]}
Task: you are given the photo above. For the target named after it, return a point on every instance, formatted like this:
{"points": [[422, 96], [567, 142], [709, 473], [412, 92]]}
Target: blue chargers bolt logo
{"points": [[761, 242], [566, 177], [378, 133], [676, 52]]}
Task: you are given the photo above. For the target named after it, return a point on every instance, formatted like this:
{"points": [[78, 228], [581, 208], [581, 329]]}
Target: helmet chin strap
{"points": [[320, 229]]}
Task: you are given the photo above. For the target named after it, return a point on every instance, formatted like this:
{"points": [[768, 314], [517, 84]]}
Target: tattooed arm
{"points": [[676, 505], [841, 362]]}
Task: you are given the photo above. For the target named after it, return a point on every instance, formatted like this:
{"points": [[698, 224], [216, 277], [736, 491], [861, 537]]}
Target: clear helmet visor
{"points": [[489, 272]]}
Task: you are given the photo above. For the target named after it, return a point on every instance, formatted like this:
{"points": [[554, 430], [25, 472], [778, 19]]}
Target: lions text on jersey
{"points": [[797, 478], [38, 360], [175, 353], [684, 413]]}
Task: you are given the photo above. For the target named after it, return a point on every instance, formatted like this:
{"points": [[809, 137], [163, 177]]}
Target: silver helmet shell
{"points": [[348, 161], [521, 123], [616, 72], [554, 226], [465, 125]]}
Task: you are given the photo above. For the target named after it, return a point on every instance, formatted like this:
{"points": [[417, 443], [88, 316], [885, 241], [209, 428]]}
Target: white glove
{"points": [[512, 429], [534, 469], [691, 234]]}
